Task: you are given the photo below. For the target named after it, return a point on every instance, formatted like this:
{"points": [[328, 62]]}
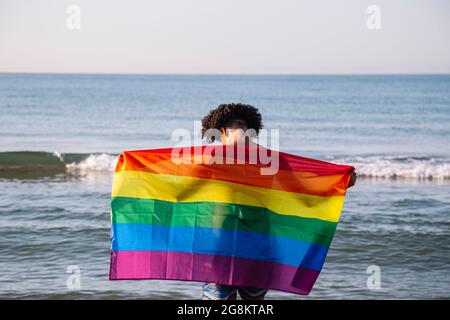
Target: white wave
{"points": [[392, 167], [94, 162], [399, 167], [58, 155]]}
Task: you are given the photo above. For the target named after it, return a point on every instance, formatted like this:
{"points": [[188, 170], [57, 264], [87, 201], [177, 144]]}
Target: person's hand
{"points": [[352, 181]]}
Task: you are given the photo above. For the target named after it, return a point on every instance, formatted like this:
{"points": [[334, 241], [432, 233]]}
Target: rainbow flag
{"points": [[200, 219]]}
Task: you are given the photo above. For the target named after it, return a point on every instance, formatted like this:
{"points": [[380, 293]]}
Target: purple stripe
{"points": [[168, 265]]}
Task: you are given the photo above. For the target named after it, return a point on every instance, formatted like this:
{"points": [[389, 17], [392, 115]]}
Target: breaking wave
{"points": [[400, 167], [34, 164], [94, 162]]}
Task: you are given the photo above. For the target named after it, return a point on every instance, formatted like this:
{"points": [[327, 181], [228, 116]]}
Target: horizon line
{"points": [[226, 74]]}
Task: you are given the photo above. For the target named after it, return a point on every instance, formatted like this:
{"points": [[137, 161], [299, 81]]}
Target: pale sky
{"points": [[225, 36]]}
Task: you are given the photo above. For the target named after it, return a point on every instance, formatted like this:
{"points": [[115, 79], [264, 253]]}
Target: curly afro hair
{"points": [[219, 117]]}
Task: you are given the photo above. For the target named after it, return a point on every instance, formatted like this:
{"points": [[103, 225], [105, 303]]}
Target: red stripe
{"points": [[287, 161]]}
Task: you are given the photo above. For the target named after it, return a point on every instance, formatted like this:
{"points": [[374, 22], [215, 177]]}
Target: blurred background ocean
{"points": [[60, 136]]}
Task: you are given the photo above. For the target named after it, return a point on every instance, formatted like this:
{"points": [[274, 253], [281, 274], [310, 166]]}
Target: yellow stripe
{"points": [[139, 184]]}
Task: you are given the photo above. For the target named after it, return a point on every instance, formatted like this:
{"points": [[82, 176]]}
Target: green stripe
{"points": [[221, 215]]}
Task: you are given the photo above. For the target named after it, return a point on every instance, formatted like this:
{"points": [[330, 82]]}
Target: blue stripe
{"points": [[215, 241]]}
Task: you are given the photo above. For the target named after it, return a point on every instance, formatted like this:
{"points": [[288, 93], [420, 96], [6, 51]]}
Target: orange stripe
{"points": [[247, 174]]}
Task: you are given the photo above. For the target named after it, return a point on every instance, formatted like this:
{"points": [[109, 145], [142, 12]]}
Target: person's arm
{"points": [[352, 181]]}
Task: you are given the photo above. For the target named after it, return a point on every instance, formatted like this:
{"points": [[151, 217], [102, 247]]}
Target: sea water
{"points": [[60, 136]]}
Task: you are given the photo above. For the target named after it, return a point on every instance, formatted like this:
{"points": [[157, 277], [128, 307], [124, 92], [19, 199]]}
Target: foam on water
{"points": [[393, 167], [94, 162]]}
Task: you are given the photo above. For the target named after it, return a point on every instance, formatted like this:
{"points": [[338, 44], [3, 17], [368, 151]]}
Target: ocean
{"points": [[61, 135]]}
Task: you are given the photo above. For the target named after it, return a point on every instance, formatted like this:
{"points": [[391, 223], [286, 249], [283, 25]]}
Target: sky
{"points": [[225, 36]]}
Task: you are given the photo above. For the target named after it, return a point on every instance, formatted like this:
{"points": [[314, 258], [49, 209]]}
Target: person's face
{"points": [[234, 132]]}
